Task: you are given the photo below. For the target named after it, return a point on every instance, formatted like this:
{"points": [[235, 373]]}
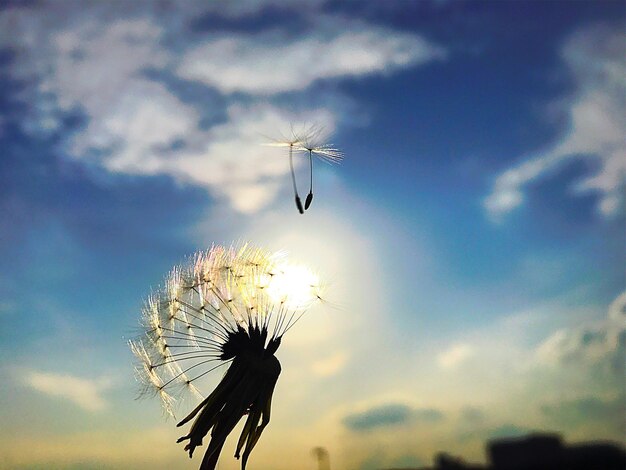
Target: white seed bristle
{"points": [[216, 292]]}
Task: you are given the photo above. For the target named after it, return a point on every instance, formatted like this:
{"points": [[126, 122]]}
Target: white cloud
{"points": [[95, 60], [228, 160], [274, 63], [233, 164], [79, 61], [98, 68], [455, 355], [86, 393], [137, 130], [243, 8], [595, 59], [134, 122], [95, 63], [600, 343]]}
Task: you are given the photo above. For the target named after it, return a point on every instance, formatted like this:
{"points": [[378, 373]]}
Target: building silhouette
{"points": [[539, 452]]}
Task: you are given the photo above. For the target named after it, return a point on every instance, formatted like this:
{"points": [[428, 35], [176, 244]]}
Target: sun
{"points": [[295, 285]]}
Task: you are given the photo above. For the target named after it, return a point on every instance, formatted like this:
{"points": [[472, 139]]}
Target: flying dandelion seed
{"points": [[313, 145], [226, 306], [309, 141]]}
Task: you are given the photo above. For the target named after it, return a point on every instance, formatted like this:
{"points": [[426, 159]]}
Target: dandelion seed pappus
{"points": [[309, 141], [227, 306]]}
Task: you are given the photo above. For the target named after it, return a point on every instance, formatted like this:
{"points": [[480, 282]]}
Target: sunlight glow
{"points": [[295, 285]]}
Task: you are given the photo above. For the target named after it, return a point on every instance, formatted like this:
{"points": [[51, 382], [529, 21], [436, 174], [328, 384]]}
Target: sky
{"points": [[472, 239]]}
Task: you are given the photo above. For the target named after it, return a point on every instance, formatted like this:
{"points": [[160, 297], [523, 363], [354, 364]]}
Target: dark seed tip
{"points": [[299, 205], [309, 200]]}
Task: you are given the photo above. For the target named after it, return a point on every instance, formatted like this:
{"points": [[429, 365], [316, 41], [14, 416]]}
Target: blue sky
{"points": [[472, 238]]}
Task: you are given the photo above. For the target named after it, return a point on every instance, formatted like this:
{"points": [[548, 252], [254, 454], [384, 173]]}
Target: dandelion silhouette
{"points": [[225, 306], [309, 141]]}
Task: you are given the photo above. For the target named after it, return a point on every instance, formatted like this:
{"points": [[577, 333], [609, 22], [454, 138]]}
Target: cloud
{"points": [[81, 61], [381, 416], [227, 160], [597, 124], [121, 70], [86, 393], [507, 431], [582, 411], [330, 365], [472, 415], [273, 62], [233, 164], [244, 8], [455, 356], [599, 344], [95, 65], [390, 415], [427, 415]]}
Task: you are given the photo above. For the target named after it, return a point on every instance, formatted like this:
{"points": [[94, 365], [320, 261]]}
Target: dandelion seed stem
{"points": [[212, 369], [293, 180], [169, 361], [197, 318], [193, 325], [311, 172], [187, 370], [198, 341], [290, 325]]}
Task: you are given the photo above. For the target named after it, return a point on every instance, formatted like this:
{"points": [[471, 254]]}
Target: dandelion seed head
{"points": [[311, 141], [203, 302], [308, 138], [314, 142]]}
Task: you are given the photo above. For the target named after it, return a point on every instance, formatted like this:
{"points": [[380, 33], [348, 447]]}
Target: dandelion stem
{"points": [[293, 180], [309, 198]]}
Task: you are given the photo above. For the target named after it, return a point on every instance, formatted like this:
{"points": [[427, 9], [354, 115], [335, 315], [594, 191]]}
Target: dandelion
{"points": [[313, 145], [226, 306], [308, 141]]}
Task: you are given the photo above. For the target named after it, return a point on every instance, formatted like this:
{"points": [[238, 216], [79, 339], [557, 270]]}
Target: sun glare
{"points": [[294, 285]]}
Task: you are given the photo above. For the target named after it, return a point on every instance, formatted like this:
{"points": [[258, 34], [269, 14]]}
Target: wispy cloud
{"points": [[601, 344], [472, 415], [273, 62], [507, 431], [597, 125], [585, 410], [455, 355], [394, 414], [86, 393], [122, 72]]}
